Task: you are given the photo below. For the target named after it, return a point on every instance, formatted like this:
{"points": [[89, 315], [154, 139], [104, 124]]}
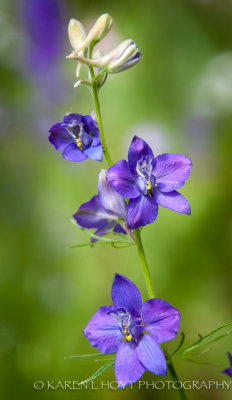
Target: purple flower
{"points": [[77, 137], [103, 211], [228, 371], [150, 181], [134, 331]]}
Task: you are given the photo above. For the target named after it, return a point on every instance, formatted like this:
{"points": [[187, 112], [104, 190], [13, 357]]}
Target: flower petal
{"points": [[171, 171], [120, 177], [172, 200], [92, 214], [126, 295], [94, 152], [228, 371], [151, 356], [230, 358], [71, 117], [119, 229], [141, 211], [137, 150], [59, 137], [91, 127], [111, 199], [72, 153], [127, 367], [160, 319], [103, 331], [103, 230]]}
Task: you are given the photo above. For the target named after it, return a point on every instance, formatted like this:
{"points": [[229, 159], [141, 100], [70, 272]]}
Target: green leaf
{"points": [[124, 238], [89, 244], [85, 355], [202, 342], [198, 362], [121, 247], [98, 372], [180, 344]]}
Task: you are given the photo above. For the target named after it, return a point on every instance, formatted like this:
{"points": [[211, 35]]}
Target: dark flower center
{"points": [[130, 326], [80, 136], [145, 179]]}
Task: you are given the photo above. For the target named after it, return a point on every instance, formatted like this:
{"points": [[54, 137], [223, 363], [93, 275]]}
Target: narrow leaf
{"points": [[98, 372], [85, 355], [180, 344]]}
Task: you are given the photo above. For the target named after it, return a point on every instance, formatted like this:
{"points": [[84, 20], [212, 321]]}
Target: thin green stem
{"points": [[173, 373], [143, 261], [147, 277], [98, 114]]}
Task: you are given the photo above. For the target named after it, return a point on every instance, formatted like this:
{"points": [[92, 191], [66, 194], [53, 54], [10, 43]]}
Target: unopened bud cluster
{"points": [[122, 57]]}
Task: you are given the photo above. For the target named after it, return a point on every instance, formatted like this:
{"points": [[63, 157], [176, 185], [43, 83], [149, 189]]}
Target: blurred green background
{"points": [[179, 99]]}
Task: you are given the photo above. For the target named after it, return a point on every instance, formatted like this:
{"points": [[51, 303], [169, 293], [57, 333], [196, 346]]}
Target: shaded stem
{"points": [[143, 261], [98, 113]]}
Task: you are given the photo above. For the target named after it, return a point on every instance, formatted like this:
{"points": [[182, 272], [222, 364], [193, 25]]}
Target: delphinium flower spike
{"points": [[134, 330], [150, 181]]}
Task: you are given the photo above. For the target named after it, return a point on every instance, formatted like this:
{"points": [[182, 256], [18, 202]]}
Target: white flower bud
{"points": [[98, 31], [76, 33], [126, 60]]}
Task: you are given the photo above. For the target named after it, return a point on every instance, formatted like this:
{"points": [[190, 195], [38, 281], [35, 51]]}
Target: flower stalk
{"points": [[98, 113], [144, 264]]}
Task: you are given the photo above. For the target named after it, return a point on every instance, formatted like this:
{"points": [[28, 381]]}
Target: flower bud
{"points": [[76, 33], [127, 59], [98, 31]]}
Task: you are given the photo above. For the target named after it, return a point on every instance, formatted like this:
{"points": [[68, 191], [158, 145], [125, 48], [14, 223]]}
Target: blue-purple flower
{"points": [[150, 181], [77, 137], [134, 330], [104, 211], [228, 371]]}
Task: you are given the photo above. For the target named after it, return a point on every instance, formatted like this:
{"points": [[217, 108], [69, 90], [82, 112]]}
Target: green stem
{"points": [[147, 277], [143, 261], [173, 373], [98, 113]]}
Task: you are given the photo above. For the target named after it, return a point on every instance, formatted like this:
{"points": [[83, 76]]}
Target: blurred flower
{"points": [[104, 210], [77, 137], [43, 21], [150, 181], [41, 52], [228, 371], [133, 330]]}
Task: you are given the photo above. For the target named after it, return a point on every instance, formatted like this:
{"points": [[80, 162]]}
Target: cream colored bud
{"points": [[129, 52], [116, 53], [98, 31], [127, 59], [76, 33]]}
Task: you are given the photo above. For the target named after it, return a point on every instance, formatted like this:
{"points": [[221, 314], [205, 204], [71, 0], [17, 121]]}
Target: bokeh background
{"points": [[179, 99]]}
